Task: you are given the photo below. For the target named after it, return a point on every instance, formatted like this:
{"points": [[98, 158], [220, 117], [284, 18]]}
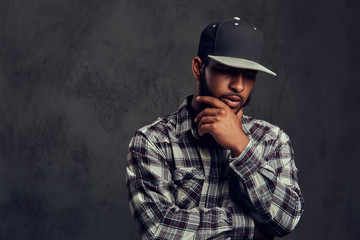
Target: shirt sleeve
{"points": [[266, 179], [152, 203]]}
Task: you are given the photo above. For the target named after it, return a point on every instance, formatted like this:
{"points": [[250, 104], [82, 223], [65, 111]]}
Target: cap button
{"points": [[237, 18]]}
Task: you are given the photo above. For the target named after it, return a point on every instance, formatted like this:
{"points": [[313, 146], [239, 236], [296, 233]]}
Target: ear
{"points": [[196, 67]]}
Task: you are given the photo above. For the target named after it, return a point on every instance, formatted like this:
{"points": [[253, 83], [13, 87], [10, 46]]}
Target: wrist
{"points": [[240, 146]]}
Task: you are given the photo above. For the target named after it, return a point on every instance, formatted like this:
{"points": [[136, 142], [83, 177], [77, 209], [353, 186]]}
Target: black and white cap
{"points": [[233, 43]]}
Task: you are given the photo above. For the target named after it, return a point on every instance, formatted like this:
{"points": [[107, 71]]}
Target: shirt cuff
{"points": [[248, 162], [242, 225]]}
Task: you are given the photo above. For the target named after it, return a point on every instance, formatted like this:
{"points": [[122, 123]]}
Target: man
{"points": [[207, 171]]}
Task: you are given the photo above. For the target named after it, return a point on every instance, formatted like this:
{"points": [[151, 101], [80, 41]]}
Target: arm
{"points": [[152, 202], [268, 185], [265, 172]]}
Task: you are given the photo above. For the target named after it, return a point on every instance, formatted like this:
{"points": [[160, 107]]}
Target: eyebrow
{"points": [[223, 67]]}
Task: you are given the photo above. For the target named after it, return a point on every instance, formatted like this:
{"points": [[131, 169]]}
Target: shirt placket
{"points": [[206, 161], [212, 170]]}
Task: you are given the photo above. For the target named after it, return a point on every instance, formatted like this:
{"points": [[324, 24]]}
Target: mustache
{"points": [[233, 95]]}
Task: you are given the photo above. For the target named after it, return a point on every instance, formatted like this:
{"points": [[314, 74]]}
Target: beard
{"points": [[205, 91], [203, 87]]}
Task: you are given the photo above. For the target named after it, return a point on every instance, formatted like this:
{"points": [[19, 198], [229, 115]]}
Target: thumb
{"points": [[240, 114]]}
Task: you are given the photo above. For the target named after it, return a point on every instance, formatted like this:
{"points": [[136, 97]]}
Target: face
{"points": [[232, 86]]}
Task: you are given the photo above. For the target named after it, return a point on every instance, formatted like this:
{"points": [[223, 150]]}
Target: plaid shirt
{"points": [[182, 186]]}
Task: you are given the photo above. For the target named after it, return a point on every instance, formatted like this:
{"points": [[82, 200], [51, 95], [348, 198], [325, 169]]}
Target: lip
{"points": [[232, 101]]}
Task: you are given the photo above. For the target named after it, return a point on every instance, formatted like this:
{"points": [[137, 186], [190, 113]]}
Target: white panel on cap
{"points": [[236, 18]]}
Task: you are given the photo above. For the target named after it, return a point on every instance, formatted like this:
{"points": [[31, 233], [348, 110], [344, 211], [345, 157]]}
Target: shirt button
{"points": [[185, 185]]}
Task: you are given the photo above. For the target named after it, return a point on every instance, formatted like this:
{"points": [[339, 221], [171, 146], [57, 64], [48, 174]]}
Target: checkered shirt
{"points": [[182, 186]]}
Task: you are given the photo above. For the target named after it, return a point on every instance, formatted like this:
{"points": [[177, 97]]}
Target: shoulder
{"points": [[261, 130], [159, 130]]}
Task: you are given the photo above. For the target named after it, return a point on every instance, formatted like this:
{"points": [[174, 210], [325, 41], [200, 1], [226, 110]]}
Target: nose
{"points": [[237, 83]]}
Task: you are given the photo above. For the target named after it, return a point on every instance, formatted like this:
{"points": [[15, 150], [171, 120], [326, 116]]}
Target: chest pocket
{"points": [[189, 182]]}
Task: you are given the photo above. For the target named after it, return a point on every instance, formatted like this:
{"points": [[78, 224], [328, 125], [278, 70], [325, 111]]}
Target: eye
{"points": [[251, 74], [224, 70]]}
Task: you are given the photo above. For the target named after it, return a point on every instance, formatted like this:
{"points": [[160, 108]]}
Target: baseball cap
{"points": [[234, 43]]}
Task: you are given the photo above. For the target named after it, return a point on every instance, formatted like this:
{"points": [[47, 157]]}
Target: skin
{"points": [[221, 119]]}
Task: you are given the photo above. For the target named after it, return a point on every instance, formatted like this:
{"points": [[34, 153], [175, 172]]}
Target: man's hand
{"points": [[223, 124]]}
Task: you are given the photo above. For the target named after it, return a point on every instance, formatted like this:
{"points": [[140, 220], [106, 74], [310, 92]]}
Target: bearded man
{"points": [[207, 171]]}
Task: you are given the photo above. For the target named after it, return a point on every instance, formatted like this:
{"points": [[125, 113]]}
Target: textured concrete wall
{"points": [[77, 78]]}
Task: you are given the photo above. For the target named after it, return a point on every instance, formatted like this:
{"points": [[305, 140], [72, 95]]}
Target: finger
{"points": [[206, 112], [212, 101], [206, 128], [208, 120]]}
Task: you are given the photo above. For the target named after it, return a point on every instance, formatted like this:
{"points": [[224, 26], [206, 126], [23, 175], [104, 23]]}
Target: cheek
{"points": [[217, 85], [250, 86]]}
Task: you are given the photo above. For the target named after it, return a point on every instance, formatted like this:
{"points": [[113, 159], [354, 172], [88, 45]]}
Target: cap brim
{"points": [[241, 63]]}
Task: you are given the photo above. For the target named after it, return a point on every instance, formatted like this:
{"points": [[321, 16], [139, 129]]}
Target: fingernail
{"points": [[198, 97]]}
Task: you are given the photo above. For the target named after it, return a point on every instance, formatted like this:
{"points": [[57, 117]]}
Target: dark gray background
{"points": [[78, 77]]}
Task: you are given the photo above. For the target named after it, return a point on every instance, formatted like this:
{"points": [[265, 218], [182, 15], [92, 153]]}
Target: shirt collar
{"points": [[246, 124], [185, 122]]}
